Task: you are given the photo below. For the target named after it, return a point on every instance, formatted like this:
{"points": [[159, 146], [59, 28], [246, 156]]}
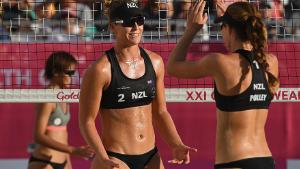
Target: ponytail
{"points": [[257, 34], [249, 27]]}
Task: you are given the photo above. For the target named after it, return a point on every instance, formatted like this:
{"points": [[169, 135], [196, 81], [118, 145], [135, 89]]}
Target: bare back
{"points": [[240, 134]]}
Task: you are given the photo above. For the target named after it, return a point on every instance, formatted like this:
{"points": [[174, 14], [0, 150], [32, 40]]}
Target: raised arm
{"points": [[177, 64]]}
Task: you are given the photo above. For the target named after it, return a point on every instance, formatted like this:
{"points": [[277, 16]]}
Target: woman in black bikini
{"points": [[245, 81], [126, 88]]}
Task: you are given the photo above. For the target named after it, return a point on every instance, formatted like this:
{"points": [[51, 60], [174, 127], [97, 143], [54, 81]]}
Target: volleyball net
{"points": [[32, 30]]}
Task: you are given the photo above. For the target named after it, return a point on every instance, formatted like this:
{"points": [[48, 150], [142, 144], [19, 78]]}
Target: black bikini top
{"points": [[256, 96], [124, 92]]}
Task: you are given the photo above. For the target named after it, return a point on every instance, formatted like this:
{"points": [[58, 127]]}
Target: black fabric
{"points": [[135, 161], [124, 92], [53, 165], [226, 18], [125, 11], [256, 96], [249, 163]]}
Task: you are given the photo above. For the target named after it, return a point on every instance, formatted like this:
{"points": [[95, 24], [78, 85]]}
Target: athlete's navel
{"points": [[141, 137]]}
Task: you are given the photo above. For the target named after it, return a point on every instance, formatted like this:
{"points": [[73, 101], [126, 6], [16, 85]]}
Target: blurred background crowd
{"points": [[82, 20]]}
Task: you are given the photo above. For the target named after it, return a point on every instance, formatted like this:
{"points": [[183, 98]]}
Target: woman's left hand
{"points": [[181, 154]]}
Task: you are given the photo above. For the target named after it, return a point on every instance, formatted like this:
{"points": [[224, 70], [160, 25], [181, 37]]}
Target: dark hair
{"points": [[57, 63], [248, 24]]}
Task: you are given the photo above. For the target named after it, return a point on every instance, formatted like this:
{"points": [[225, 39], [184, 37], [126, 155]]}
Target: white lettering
{"points": [[16, 77], [132, 5], [121, 98], [258, 86], [42, 80], [139, 95], [23, 77], [258, 97], [8, 76], [256, 64]]}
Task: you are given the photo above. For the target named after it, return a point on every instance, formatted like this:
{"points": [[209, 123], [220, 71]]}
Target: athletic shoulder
{"points": [[217, 59], [101, 68], [273, 64], [153, 55], [155, 58], [272, 59]]}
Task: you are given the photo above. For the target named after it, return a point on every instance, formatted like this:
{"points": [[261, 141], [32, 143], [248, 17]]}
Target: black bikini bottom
{"points": [[135, 161], [249, 163], [53, 165]]}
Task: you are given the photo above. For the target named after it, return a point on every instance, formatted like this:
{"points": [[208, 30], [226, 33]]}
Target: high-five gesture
{"points": [[197, 18], [220, 7]]}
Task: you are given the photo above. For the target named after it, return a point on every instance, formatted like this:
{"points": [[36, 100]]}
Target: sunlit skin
{"points": [[239, 134], [52, 144], [129, 130]]}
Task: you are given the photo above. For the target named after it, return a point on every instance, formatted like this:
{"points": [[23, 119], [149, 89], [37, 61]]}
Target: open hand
{"points": [[84, 151], [220, 7], [197, 18]]}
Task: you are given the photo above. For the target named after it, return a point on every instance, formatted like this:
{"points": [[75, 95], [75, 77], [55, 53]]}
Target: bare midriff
{"points": [[50, 154], [128, 130]]}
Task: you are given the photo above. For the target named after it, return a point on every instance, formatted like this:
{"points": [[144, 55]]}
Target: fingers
{"points": [[114, 164], [202, 6], [198, 7], [221, 6], [187, 160], [86, 151], [175, 161], [192, 149]]}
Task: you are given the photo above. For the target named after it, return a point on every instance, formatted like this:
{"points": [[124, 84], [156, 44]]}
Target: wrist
{"points": [[190, 33], [102, 156], [71, 150], [177, 144]]}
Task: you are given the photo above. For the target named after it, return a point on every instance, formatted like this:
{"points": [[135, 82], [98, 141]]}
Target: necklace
{"points": [[132, 63]]}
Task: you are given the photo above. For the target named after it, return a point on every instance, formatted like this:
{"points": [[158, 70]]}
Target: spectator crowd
{"points": [[73, 20]]}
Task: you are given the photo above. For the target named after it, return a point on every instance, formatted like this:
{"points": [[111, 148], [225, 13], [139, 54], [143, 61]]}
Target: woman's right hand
{"points": [[83, 151], [105, 163], [196, 18], [220, 7]]}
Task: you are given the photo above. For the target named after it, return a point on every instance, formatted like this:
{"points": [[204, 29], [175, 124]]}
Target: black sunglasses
{"points": [[140, 20], [69, 72]]}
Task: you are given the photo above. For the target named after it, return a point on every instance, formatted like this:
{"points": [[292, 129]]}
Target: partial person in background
{"points": [[125, 87], [158, 11], [245, 81], [180, 14], [4, 35], [84, 14], [52, 149], [70, 29]]}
